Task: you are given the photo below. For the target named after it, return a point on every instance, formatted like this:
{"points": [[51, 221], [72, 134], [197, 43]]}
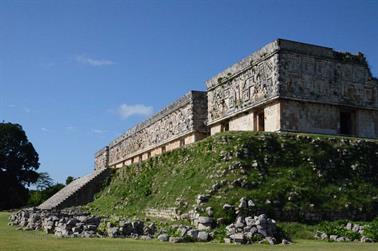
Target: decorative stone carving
{"points": [[290, 70], [185, 116], [253, 85]]}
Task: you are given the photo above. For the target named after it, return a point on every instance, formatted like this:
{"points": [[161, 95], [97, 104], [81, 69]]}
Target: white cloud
{"points": [[125, 111], [82, 59], [44, 129], [97, 131], [70, 128], [27, 109], [12, 106]]}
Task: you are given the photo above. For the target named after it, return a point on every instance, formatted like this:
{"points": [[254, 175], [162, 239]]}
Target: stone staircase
{"points": [[78, 192]]}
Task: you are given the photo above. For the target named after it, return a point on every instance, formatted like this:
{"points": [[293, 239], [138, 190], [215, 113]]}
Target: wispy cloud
{"points": [[125, 111], [82, 59], [70, 128], [27, 109], [97, 131], [44, 129], [12, 106]]}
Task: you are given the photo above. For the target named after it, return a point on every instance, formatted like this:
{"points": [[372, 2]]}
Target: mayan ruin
{"points": [[179, 124], [285, 86]]}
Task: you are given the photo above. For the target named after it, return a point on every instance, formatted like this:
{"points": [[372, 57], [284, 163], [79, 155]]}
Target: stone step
{"points": [[78, 192]]}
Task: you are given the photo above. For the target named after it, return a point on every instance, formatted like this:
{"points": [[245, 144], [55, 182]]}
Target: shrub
{"points": [[371, 230], [338, 228]]}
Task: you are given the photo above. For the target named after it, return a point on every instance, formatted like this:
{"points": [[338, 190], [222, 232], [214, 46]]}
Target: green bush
{"points": [[371, 230], [37, 197], [294, 230], [220, 234], [338, 228]]}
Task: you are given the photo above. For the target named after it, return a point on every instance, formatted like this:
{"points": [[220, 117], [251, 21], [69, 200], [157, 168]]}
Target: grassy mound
{"points": [[288, 176]]}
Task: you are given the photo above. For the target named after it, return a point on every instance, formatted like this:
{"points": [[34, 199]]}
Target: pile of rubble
{"points": [[353, 227], [184, 233], [74, 223], [250, 229], [64, 223], [130, 229]]}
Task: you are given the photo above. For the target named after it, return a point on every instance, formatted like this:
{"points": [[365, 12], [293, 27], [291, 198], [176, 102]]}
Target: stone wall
{"points": [[286, 85], [322, 75], [102, 158], [180, 123], [309, 117], [325, 119], [245, 85], [166, 213], [321, 81]]}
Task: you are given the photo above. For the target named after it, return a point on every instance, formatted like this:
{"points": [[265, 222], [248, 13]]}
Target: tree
{"points": [[69, 180], [44, 181], [18, 165], [37, 197]]}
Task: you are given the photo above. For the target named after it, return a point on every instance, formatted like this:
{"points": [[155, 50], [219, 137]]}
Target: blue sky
{"points": [[76, 74]]}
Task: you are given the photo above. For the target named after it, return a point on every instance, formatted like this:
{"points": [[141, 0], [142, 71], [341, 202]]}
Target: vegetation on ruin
{"points": [[290, 177], [12, 240]]}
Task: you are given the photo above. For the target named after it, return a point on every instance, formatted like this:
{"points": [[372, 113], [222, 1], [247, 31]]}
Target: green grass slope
{"points": [[288, 176]]}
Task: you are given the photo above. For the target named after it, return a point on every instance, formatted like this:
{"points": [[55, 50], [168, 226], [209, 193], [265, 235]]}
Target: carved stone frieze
{"points": [[186, 115]]}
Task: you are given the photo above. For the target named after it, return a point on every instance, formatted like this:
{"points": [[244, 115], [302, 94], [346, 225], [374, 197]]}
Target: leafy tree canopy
{"points": [[18, 165], [69, 180]]}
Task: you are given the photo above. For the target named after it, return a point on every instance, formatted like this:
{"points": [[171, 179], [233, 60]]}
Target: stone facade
{"points": [[284, 86], [179, 124], [291, 86]]}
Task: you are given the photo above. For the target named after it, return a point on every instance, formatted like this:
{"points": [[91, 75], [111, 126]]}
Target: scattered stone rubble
{"points": [[356, 228], [245, 230], [62, 223], [75, 223], [250, 229], [184, 233]]}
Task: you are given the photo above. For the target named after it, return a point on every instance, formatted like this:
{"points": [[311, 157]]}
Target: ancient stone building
{"points": [[179, 124], [284, 86], [291, 86]]}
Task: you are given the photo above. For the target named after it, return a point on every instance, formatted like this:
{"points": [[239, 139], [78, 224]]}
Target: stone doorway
{"points": [[225, 126], [260, 121], [347, 122]]}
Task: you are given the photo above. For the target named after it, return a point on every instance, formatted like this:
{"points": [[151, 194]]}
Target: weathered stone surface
{"points": [[78, 192], [247, 229], [176, 239], [184, 117], [201, 198], [193, 233], [163, 237], [74, 223], [166, 213], [303, 84], [203, 236]]}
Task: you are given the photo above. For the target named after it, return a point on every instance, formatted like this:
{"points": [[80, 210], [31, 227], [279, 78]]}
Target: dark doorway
{"points": [[346, 123], [182, 142], [225, 126], [260, 121]]}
